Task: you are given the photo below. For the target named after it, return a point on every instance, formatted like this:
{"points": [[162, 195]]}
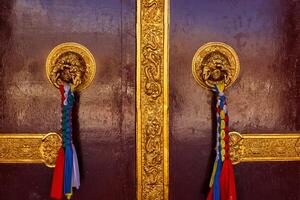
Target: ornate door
{"points": [[105, 127], [264, 99], [173, 115]]}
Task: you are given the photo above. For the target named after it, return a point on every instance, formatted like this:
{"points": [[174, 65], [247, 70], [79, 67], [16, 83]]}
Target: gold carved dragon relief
{"points": [[152, 99]]}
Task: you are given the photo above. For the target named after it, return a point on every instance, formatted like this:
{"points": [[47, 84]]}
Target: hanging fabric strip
{"points": [[66, 173], [58, 176], [66, 129], [227, 180], [222, 181], [75, 172]]}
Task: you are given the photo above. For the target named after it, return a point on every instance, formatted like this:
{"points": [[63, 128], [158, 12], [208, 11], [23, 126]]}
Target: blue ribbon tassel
{"points": [[67, 140]]}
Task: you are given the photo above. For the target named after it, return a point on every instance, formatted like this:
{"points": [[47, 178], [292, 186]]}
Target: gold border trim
{"points": [[152, 92], [264, 147], [166, 98], [29, 148]]}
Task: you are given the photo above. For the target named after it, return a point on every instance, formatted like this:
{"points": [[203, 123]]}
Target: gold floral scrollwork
{"points": [[152, 99], [29, 148], [264, 147]]}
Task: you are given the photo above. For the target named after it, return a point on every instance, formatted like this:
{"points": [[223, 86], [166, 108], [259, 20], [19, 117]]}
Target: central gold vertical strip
{"points": [[152, 94]]}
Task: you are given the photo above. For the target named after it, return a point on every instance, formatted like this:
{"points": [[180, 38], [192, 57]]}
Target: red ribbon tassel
{"points": [[209, 196], [58, 176], [62, 92], [227, 182]]}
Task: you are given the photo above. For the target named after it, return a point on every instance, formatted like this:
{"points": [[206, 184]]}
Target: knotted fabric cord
{"points": [[222, 181], [66, 172]]}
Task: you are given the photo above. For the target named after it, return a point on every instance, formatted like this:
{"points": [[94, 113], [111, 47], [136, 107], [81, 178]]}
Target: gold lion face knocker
{"points": [[216, 66], [70, 67], [71, 63], [215, 63]]}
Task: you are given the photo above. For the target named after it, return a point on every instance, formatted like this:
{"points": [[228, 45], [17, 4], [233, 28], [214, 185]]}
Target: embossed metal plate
{"points": [[264, 147], [152, 95], [215, 62], [71, 63], [29, 148]]}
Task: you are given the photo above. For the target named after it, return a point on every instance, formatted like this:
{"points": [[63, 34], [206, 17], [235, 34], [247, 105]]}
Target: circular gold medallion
{"points": [[71, 63], [215, 62]]}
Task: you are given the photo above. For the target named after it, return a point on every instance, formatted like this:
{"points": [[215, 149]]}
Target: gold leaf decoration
{"points": [[29, 148], [264, 147], [152, 99]]}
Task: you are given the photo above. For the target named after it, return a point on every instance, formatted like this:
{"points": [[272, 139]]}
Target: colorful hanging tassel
{"points": [[227, 181], [58, 176], [222, 181], [66, 173]]}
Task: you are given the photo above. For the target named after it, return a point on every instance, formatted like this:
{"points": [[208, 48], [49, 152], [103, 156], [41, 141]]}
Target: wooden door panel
{"points": [[265, 35], [106, 110]]}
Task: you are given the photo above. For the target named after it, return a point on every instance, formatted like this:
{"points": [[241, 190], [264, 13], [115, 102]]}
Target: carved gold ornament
{"points": [[152, 100], [264, 147], [71, 63], [215, 62], [29, 148]]}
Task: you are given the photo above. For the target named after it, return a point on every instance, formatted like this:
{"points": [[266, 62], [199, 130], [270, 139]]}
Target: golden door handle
{"points": [[215, 62], [71, 63]]}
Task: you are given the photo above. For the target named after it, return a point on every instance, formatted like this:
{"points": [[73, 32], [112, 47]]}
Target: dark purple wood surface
{"points": [[29, 29], [265, 98]]}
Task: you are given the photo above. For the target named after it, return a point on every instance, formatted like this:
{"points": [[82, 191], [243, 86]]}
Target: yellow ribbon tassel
{"points": [[221, 86], [69, 195], [211, 182]]}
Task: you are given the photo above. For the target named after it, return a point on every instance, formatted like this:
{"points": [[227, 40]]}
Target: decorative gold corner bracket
{"points": [[29, 148], [264, 147], [152, 100]]}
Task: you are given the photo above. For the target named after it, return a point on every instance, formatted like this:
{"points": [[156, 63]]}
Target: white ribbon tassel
{"points": [[75, 171]]}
